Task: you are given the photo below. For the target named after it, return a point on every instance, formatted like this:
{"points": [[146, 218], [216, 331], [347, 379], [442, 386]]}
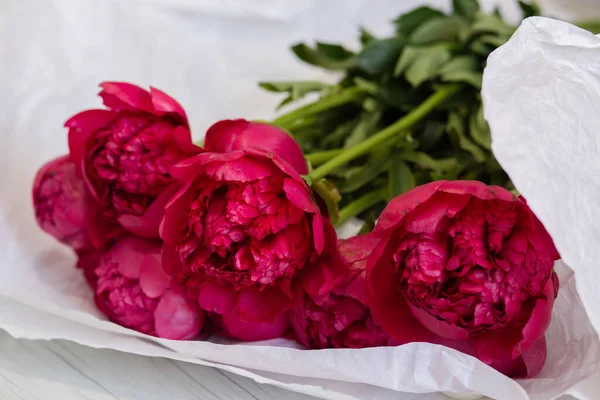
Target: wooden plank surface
{"points": [[57, 369]]}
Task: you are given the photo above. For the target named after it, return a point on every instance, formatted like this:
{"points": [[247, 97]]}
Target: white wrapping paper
{"points": [[209, 55]]}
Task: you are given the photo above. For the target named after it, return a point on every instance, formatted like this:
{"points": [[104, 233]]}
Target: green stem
{"points": [[342, 97], [360, 205], [319, 157], [303, 123], [399, 126]]}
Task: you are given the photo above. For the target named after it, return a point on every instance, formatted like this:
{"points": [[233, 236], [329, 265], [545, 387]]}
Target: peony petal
{"points": [[191, 167], [183, 138], [216, 298], [175, 216], [82, 126], [319, 224], [221, 137], [527, 365], [169, 258], [244, 169], [329, 270], [477, 189], [509, 345], [163, 103], [256, 305], [129, 251], [236, 328], [427, 217], [388, 307], [153, 279], [139, 226], [177, 318], [147, 225], [298, 322], [498, 345], [437, 326], [280, 163], [88, 262], [101, 230], [299, 195], [125, 96], [357, 249], [240, 134], [539, 321], [401, 205]]}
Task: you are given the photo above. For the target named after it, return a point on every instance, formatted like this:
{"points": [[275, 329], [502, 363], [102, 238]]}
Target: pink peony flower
{"points": [[125, 154], [62, 203], [341, 318], [131, 289], [468, 266], [246, 222]]}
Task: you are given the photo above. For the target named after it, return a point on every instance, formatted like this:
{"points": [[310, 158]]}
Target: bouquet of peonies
{"points": [[236, 238]]}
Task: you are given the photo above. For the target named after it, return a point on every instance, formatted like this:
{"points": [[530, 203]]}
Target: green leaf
{"points": [[456, 130], [407, 58], [479, 129], [444, 176], [427, 65], [364, 175], [438, 29], [398, 94], [331, 196], [407, 23], [296, 90], [431, 134], [530, 9], [488, 23], [367, 125], [380, 56], [328, 56], [366, 37], [334, 51], [295, 87], [336, 137], [463, 69], [481, 48], [424, 160], [465, 8], [400, 177], [492, 40]]}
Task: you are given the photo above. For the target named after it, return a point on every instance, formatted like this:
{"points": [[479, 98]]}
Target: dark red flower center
{"points": [[130, 160], [476, 269]]}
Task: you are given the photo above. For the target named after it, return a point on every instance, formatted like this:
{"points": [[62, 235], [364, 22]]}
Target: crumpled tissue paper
{"points": [[209, 56]]}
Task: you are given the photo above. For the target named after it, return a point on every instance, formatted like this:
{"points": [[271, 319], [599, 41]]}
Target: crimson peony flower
{"points": [[246, 222], [131, 289], [125, 154], [61, 203], [468, 266], [341, 317]]}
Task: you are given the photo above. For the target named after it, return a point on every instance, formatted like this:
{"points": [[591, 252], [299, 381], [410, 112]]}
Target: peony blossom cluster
{"points": [[180, 241]]}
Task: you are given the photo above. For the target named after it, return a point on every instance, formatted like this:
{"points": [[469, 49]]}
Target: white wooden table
{"points": [[57, 369]]}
